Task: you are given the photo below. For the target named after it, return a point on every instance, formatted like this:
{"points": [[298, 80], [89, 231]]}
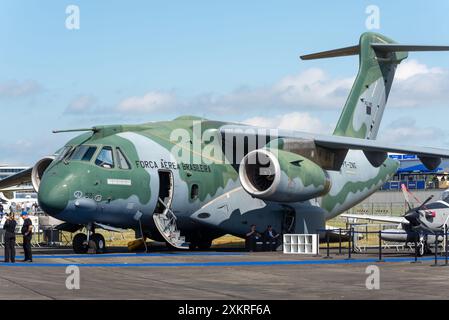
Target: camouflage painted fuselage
{"points": [[207, 197]]}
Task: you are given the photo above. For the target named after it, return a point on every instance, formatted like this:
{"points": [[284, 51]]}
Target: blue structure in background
{"points": [[412, 173]]}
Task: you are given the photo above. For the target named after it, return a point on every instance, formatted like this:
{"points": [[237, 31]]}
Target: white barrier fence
{"points": [[301, 243]]}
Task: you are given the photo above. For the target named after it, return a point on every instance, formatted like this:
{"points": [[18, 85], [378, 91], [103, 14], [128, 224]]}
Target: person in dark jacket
{"points": [[251, 238], [27, 232], [270, 239], [10, 239]]}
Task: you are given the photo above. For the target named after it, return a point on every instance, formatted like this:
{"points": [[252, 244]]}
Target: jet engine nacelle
{"points": [[38, 171], [282, 176]]}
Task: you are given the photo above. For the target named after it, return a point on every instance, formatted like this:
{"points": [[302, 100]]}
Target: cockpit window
{"points": [[121, 160], [83, 153], [105, 158], [61, 153], [445, 196]]}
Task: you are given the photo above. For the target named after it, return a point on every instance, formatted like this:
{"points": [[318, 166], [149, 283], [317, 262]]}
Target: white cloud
{"points": [[411, 68], [417, 85], [81, 104], [307, 90], [150, 102], [313, 88], [28, 150], [405, 131], [15, 89], [300, 121], [310, 89]]}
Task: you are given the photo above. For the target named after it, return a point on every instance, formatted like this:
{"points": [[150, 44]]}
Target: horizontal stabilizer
{"points": [[380, 47], [348, 51], [393, 47]]}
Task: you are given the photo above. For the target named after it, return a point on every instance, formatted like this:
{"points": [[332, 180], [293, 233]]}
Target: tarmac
{"points": [[221, 274]]}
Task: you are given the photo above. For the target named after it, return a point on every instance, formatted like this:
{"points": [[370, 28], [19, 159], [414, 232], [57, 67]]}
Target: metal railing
{"points": [[353, 234]]}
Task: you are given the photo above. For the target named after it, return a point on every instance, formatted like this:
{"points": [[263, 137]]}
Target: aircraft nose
{"points": [[52, 195]]}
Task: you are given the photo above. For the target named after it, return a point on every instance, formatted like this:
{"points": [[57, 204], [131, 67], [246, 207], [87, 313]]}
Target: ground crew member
{"points": [[10, 239], [27, 232]]}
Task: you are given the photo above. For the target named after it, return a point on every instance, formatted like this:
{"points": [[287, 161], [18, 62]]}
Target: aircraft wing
{"points": [[370, 217], [18, 188], [375, 151], [16, 179]]}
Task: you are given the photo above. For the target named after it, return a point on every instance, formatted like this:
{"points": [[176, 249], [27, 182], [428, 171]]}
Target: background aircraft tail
{"points": [[378, 59]]}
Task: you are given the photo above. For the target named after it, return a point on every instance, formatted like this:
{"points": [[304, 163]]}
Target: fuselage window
{"points": [[105, 158], [83, 153], [122, 161], [194, 191]]}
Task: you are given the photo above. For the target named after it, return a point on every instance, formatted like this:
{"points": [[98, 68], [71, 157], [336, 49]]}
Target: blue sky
{"points": [[139, 61]]}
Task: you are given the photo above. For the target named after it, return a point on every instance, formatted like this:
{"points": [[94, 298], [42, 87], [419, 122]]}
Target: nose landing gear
{"points": [[423, 246], [79, 243], [83, 243]]}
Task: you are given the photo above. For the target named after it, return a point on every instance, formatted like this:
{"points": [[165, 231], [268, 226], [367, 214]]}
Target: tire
{"points": [[100, 242], [79, 246]]}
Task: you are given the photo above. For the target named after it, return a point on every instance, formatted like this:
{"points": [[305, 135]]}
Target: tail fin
{"points": [[378, 59]]}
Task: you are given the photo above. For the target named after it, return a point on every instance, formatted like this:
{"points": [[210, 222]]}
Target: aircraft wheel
{"points": [[100, 242], [79, 243]]}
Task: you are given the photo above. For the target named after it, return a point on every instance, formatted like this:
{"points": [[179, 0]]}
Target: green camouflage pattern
{"points": [[186, 164]]}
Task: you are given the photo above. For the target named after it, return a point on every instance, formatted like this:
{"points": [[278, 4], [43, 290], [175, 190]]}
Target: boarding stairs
{"points": [[166, 224]]}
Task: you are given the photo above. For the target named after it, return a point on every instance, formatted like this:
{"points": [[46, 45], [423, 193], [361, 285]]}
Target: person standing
{"points": [[10, 239], [251, 238], [13, 208], [27, 232]]}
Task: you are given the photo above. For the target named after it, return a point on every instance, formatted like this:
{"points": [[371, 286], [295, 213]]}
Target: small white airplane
{"points": [[420, 224]]}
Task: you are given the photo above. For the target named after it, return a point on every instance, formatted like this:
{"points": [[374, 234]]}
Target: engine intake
{"points": [[278, 175], [39, 169]]}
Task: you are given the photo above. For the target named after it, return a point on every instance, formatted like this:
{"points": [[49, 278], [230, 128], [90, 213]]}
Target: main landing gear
{"points": [[83, 243]]}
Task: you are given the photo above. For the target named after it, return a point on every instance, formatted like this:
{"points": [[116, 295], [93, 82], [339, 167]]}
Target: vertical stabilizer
{"points": [[366, 102], [378, 59]]}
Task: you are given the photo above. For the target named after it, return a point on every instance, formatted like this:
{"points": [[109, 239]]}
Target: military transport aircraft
{"points": [[423, 224], [191, 180]]}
